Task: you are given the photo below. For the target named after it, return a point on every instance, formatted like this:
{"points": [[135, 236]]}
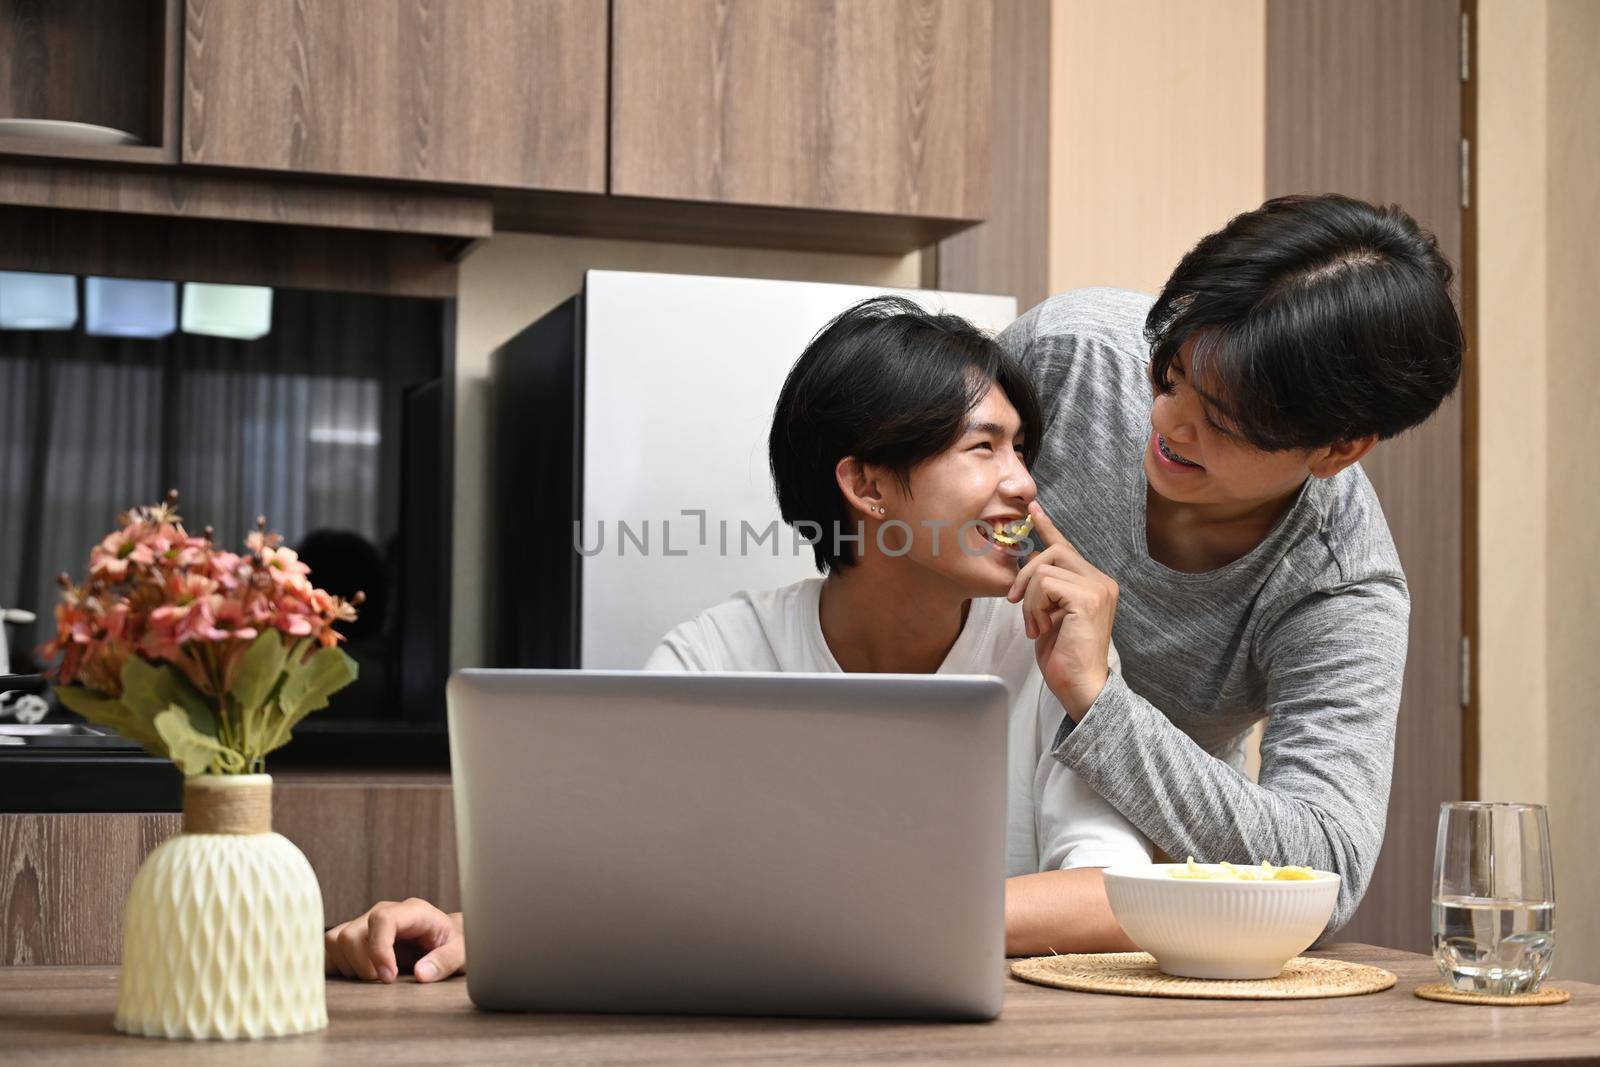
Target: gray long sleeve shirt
{"points": [[1307, 631]]}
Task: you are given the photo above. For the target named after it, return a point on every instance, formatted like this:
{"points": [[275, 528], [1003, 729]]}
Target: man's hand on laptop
{"points": [[395, 937]]}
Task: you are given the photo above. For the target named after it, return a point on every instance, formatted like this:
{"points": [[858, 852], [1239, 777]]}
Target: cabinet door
{"points": [[482, 92], [852, 105]]}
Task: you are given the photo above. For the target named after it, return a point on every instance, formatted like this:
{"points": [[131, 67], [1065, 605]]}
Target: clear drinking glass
{"points": [[1494, 897]]}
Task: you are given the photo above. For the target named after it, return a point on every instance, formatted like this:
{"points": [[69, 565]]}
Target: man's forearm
{"points": [[1326, 813], [1061, 911]]}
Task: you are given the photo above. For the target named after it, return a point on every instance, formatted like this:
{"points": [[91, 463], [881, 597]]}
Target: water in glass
{"points": [[1493, 897]]}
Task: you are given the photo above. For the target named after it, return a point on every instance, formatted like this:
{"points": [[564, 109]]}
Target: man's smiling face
{"points": [[975, 485], [1194, 457]]}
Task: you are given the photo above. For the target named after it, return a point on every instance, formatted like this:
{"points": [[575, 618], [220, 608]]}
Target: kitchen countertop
{"points": [[63, 1014]]}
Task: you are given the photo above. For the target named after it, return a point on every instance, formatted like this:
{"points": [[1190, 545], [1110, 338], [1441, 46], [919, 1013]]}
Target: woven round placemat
{"points": [[1440, 991], [1134, 974]]}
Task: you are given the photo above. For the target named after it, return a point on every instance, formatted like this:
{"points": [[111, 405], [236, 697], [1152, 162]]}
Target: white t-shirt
{"points": [[1053, 819]]}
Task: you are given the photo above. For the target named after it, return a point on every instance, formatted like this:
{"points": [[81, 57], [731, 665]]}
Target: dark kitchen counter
{"points": [[84, 773], [63, 764]]}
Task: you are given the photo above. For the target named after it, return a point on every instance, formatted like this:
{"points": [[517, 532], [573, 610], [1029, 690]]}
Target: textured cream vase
{"points": [[222, 931]]}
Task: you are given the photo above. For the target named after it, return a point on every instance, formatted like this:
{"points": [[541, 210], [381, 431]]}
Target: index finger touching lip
{"points": [[1048, 534], [1052, 537]]}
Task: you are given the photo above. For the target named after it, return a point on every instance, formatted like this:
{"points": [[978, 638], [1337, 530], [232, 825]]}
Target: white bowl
{"points": [[1216, 929]]}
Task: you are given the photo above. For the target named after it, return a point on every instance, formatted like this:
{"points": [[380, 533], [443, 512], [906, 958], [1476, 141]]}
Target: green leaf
{"points": [[193, 751], [310, 684], [259, 671], [148, 689], [109, 712]]}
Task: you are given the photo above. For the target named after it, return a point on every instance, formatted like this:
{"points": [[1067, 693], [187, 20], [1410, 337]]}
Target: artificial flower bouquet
{"points": [[205, 656]]}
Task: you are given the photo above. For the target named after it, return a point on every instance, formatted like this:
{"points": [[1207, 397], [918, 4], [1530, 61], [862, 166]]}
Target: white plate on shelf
{"points": [[62, 130]]}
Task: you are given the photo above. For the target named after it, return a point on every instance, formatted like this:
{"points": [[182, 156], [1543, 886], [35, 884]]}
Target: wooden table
{"points": [[63, 1015]]}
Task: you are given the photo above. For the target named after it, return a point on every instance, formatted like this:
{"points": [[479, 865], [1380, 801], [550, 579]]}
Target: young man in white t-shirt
{"points": [[903, 439]]}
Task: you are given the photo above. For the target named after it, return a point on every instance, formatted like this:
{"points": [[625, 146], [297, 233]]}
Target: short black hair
{"points": [[1315, 320], [889, 383]]}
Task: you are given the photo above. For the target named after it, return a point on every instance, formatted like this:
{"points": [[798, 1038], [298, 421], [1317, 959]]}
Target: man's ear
{"points": [[1326, 462], [859, 483]]}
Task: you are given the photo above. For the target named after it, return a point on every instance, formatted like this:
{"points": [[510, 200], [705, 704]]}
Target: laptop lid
{"points": [[731, 843]]}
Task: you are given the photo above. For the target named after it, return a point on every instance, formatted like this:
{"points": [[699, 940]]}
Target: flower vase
{"points": [[222, 931]]}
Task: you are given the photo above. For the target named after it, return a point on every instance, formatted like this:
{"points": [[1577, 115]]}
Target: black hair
{"points": [[1314, 320], [890, 384]]}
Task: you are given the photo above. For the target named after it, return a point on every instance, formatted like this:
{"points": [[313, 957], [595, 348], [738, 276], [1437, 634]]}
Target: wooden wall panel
{"points": [[1363, 97], [1514, 219], [1010, 252], [63, 879], [369, 837], [368, 841], [481, 92], [854, 105], [1156, 133], [1573, 260]]}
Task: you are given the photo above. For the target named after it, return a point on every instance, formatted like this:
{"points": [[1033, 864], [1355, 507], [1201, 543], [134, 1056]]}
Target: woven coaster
{"points": [[1440, 991], [1135, 974]]}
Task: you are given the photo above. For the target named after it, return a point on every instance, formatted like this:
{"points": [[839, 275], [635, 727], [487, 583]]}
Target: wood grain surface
{"points": [[1157, 110], [63, 1015], [85, 61], [857, 105], [1010, 252], [635, 218], [202, 250], [63, 879], [369, 837], [1363, 97], [180, 194], [480, 92]]}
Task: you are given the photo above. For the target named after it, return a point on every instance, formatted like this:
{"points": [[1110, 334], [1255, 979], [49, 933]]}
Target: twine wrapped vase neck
{"points": [[227, 804]]}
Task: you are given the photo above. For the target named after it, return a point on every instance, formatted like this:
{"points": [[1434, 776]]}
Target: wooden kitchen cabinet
{"points": [[879, 106], [507, 93]]}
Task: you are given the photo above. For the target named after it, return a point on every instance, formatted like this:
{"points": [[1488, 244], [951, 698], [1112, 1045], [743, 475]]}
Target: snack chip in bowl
{"points": [[1227, 872]]}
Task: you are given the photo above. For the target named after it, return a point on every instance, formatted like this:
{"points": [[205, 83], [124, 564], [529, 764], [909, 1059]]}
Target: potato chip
{"points": [[1228, 872]]}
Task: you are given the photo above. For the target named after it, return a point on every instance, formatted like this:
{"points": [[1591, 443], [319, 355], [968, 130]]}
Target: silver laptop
{"points": [[784, 844]]}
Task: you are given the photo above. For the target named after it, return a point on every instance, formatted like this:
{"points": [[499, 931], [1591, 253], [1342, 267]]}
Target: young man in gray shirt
{"points": [[1200, 463]]}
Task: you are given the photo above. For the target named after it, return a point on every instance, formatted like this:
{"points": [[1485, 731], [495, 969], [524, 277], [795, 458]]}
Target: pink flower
{"points": [[284, 565], [193, 552], [121, 550], [229, 570], [294, 624], [185, 587]]}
